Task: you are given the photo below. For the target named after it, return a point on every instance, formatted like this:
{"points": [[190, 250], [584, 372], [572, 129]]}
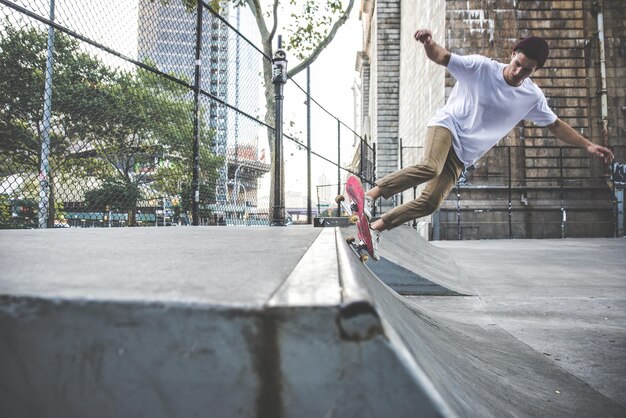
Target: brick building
{"points": [[530, 185]]}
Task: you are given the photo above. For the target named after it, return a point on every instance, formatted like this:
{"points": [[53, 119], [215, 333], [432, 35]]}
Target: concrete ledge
{"points": [[310, 345]]}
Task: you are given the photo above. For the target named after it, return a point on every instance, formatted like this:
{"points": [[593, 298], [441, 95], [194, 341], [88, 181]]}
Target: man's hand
{"points": [[424, 36], [434, 51], [601, 152], [567, 134]]}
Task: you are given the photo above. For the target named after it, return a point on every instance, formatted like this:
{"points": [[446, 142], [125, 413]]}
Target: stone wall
{"points": [[554, 192], [387, 84], [615, 53], [422, 82], [380, 71], [529, 172]]}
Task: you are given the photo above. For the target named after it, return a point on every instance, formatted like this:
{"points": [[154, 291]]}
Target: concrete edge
{"points": [[313, 281], [357, 298]]}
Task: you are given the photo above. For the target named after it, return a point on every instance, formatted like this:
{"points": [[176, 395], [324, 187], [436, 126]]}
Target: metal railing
{"points": [[530, 192]]}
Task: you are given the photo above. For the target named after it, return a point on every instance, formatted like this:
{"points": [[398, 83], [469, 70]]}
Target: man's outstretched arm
{"points": [[566, 133], [434, 51]]}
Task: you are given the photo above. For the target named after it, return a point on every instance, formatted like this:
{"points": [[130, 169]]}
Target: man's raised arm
{"points": [[434, 51], [566, 133]]}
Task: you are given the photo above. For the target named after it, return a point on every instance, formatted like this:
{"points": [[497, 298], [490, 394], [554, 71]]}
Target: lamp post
{"points": [[279, 78]]}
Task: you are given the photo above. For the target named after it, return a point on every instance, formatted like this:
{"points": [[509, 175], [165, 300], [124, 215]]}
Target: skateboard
{"points": [[353, 201]]}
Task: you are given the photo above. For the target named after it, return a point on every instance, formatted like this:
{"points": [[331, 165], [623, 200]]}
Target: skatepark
{"points": [[286, 322]]}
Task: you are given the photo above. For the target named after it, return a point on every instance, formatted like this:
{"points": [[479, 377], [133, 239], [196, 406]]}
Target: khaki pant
{"points": [[440, 167]]}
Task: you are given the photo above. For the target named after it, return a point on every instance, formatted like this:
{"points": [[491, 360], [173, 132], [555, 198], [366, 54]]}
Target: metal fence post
{"points": [[309, 208], [563, 212], [363, 160], [510, 196], [195, 183], [45, 136], [279, 78], [338, 165], [458, 211], [374, 162], [401, 159]]}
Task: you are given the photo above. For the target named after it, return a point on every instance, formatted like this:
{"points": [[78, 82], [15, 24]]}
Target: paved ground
{"points": [[540, 325], [565, 299], [536, 328], [224, 266]]}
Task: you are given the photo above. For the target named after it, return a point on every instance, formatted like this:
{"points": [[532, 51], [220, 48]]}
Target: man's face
{"points": [[520, 68]]}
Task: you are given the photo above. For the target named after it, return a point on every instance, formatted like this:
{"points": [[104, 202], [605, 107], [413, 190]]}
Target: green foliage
{"points": [[22, 77], [131, 130], [5, 210], [113, 195], [310, 23]]}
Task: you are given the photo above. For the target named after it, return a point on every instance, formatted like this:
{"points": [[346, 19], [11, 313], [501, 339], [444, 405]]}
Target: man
{"points": [[488, 100]]}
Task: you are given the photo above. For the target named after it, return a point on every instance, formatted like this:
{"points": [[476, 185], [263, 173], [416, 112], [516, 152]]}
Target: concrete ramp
{"points": [[406, 248], [245, 322], [480, 371]]}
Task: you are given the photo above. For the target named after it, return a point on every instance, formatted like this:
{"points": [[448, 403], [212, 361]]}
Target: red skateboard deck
{"points": [[353, 201]]}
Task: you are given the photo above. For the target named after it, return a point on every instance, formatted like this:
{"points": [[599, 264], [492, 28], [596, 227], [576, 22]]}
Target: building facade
{"points": [[230, 71], [530, 185]]}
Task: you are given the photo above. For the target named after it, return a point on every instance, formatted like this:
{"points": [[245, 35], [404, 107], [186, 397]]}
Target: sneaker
{"points": [[368, 210], [375, 242]]}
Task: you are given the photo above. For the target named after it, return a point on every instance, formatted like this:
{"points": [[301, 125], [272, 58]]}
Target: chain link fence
{"points": [[147, 113]]}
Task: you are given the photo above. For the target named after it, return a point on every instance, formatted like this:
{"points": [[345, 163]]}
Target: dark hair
{"points": [[535, 48]]}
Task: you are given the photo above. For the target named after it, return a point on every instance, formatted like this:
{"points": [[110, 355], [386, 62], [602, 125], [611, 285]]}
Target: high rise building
{"points": [[230, 74]]}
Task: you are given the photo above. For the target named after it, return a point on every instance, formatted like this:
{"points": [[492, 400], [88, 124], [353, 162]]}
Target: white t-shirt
{"points": [[483, 108]]}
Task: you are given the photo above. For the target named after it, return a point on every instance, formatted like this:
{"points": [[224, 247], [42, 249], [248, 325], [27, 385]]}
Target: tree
{"points": [[310, 31], [5, 211], [22, 75], [113, 195], [127, 129], [147, 136]]}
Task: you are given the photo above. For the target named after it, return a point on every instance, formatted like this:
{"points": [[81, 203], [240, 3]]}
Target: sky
{"points": [[333, 76]]}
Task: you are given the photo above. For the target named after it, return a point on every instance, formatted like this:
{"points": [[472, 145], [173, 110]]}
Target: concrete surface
{"points": [[224, 266], [403, 247], [281, 322], [194, 322], [566, 299], [473, 359]]}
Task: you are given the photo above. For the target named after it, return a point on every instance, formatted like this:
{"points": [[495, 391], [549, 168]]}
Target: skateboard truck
{"points": [[341, 200], [360, 248]]}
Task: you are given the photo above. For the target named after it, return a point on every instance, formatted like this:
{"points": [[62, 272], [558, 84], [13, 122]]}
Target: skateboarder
{"points": [[488, 100]]}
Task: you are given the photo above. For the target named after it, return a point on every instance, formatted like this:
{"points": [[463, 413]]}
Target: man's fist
{"points": [[424, 36]]}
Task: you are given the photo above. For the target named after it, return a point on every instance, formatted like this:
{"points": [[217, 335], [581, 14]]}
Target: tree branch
{"points": [[275, 26], [257, 11], [322, 45]]}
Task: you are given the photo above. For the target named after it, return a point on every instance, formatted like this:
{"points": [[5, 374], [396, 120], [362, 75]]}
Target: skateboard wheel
{"points": [[350, 240], [354, 219], [340, 198], [364, 258]]}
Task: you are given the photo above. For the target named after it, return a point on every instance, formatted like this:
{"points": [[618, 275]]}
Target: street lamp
{"points": [[279, 78]]}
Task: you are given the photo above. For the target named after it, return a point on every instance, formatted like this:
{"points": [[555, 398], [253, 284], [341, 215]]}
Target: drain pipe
{"points": [[604, 108], [598, 8]]}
